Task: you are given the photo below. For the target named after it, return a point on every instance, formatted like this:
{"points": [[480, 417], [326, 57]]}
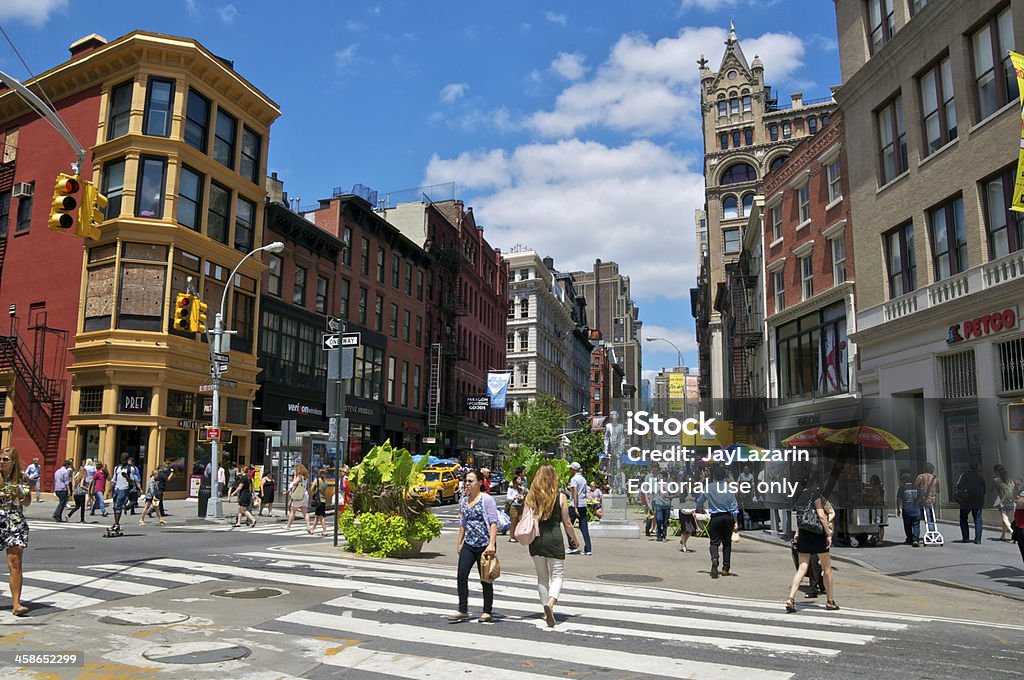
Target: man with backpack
{"points": [[908, 504], [126, 479], [970, 496]]}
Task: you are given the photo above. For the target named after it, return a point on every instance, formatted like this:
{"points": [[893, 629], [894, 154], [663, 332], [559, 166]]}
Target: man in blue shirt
{"points": [[126, 478], [61, 482], [721, 504], [578, 506]]}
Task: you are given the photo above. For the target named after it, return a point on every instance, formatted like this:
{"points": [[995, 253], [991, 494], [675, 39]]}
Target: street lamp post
{"points": [[679, 355], [214, 510]]}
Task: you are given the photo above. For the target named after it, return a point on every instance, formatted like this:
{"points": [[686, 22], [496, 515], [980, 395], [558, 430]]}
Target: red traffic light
{"points": [[68, 185]]}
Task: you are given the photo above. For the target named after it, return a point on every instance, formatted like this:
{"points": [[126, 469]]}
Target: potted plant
{"points": [[387, 517]]}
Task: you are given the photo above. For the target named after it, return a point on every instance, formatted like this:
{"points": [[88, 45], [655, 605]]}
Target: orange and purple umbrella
{"points": [[869, 437]]}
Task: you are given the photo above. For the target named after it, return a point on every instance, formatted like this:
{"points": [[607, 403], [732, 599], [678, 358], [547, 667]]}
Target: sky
{"points": [[572, 128]]}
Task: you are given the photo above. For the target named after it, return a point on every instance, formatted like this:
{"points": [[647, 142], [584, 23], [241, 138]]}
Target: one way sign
{"points": [[336, 340]]}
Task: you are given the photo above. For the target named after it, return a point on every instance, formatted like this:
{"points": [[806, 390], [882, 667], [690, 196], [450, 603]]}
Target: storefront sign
{"points": [[411, 426], [134, 400], [305, 409], [986, 324], [481, 403]]}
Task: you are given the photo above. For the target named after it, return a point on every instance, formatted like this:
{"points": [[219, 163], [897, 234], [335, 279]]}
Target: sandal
{"points": [[141, 523], [20, 611], [163, 522], [831, 605], [791, 605]]}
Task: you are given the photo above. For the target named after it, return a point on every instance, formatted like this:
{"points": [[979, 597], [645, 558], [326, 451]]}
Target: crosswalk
{"points": [[396, 610]]}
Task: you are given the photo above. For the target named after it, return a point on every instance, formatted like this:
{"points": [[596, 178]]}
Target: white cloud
{"points": [[355, 26], [34, 12], [651, 88], [192, 7], [569, 65], [824, 42], [344, 57], [450, 93], [709, 5], [555, 18], [228, 14], [578, 201], [682, 338]]}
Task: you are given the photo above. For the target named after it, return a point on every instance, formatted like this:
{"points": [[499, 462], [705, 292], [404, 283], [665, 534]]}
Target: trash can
{"points": [[204, 499]]}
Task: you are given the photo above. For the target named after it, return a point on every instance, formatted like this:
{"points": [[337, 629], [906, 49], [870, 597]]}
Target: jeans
{"points": [[580, 515], [912, 526], [62, 501], [720, 529], [661, 517], [79, 507], [964, 533], [468, 557], [98, 503], [549, 577]]}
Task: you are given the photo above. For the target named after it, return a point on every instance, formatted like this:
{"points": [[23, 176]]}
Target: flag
{"points": [[497, 388], [1018, 188]]}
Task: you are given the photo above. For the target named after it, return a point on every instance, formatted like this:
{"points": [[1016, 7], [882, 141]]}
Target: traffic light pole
{"points": [[44, 110], [340, 440]]}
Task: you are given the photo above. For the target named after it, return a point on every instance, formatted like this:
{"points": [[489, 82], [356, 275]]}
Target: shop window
{"points": [[180, 404], [812, 354], [176, 457], [959, 379], [90, 400]]}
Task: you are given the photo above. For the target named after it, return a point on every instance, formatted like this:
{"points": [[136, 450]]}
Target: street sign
{"points": [[192, 424], [334, 436], [223, 383], [333, 324], [351, 339], [430, 440], [221, 357], [332, 341], [348, 362], [217, 369], [288, 432], [213, 433]]}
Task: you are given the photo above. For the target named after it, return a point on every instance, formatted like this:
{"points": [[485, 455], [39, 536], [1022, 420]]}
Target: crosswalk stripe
{"points": [[94, 583], [59, 599], [178, 578], [576, 654], [420, 667]]}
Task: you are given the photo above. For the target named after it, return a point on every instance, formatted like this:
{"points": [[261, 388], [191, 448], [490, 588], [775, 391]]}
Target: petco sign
{"points": [[980, 326]]}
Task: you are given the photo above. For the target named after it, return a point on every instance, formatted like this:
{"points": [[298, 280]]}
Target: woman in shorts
{"points": [[15, 495]]}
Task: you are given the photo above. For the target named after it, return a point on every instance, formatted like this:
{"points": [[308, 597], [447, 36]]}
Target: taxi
{"points": [[440, 484]]}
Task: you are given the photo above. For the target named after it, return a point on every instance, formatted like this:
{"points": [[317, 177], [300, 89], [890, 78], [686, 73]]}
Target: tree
{"points": [[537, 425], [585, 447]]}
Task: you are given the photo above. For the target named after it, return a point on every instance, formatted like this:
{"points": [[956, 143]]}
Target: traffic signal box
{"points": [[65, 202], [92, 212], [197, 316], [182, 312]]}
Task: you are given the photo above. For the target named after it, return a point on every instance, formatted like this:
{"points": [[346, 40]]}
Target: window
{"points": [[242, 310], [190, 198], [149, 199], [723, 140], [723, 110], [394, 320], [419, 284], [803, 200], [141, 298], [406, 325], [735, 138], [90, 400], [748, 204], [120, 110], [343, 302], [778, 162], [748, 136], [113, 188], [346, 252], [779, 283], [416, 387], [362, 306], [524, 341], [245, 217], [773, 132], [419, 331], [524, 308], [807, 277], [730, 208], [938, 106], [812, 126], [995, 81], [949, 239], [5, 212], [391, 379], [395, 270], [364, 257], [403, 385], [739, 172], [524, 375], [893, 140], [299, 286], [775, 212], [159, 104], [812, 356], [368, 372], [959, 375], [916, 6], [787, 130], [881, 23], [734, 105], [511, 309], [197, 121], [731, 241], [510, 341], [321, 294], [217, 213], [224, 139], [24, 213], [1005, 227], [746, 103], [274, 267], [1011, 365], [378, 314], [835, 189], [899, 255], [838, 247], [249, 164]]}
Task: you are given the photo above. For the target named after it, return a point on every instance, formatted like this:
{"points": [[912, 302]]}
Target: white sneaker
{"points": [[573, 551], [588, 553]]}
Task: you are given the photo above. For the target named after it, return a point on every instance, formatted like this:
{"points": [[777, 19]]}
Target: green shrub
{"points": [[380, 535]]}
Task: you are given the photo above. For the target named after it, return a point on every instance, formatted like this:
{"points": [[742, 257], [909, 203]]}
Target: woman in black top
{"points": [[244, 492], [814, 538], [551, 511]]}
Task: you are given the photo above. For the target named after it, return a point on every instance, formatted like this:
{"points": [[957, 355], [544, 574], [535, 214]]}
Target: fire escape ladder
{"points": [[434, 388], [38, 399]]}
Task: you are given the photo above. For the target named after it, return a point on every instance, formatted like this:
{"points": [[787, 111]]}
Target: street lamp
{"points": [[679, 355], [213, 508]]}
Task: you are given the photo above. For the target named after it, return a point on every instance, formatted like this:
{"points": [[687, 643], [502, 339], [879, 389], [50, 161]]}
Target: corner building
{"points": [[177, 142]]}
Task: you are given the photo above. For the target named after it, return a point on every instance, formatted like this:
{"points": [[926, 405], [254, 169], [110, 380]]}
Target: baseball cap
{"points": [[575, 466]]}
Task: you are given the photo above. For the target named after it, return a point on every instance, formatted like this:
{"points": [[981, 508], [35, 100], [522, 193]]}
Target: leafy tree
{"points": [[537, 425], [585, 447]]}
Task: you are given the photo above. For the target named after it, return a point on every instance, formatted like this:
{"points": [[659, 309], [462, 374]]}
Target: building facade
{"points": [[931, 96], [177, 143]]}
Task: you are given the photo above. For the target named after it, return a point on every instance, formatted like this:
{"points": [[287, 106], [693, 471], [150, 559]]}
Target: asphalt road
{"points": [[144, 605]]}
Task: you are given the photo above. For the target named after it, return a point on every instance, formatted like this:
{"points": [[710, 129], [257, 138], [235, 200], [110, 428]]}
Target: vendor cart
{"points": [[860, 525]]}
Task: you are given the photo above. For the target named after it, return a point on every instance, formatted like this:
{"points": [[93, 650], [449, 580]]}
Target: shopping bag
{"points": [[490, 568], [504, 521], [526, 529]]}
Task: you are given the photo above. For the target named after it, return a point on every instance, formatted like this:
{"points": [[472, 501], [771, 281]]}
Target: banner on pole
{"points": [[497, 388], [1018, 188]]}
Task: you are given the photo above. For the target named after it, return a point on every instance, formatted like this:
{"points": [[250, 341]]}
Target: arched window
{"points": [[735, 138], [734, 105], [730, 208], [724, 140], [778, 162], [722, 110], [748, 203], [738, 172], [773, 132]]}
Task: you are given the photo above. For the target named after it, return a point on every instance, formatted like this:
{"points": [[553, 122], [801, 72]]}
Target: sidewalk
{"points": [[182, 512]]}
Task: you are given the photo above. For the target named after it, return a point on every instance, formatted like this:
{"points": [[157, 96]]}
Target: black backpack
{"points": [[963, 495], [808, 519]]}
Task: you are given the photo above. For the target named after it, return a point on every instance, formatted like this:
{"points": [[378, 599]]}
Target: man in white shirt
{"points": [[34, 472], [578, 506]]}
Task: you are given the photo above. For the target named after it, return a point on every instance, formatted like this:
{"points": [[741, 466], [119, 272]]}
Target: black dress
{"points": [[809, 542], [245, 493]]}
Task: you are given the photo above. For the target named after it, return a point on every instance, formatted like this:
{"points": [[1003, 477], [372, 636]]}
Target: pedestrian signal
{"points": [[92, 212], [62, 212], [182, 312], [197, 316]]}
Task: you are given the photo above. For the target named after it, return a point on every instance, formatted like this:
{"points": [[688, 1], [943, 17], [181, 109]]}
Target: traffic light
{"points": [[92, 212], [62, 212], [197, 317], [182, 312]]}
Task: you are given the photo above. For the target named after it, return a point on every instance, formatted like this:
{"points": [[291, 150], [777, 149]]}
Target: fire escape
{"points": [[745, 407], [38, 399], [445, 355]]}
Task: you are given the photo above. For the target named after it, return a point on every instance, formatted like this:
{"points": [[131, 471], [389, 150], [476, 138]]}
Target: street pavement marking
{"points": [[420, 667], [178, 578], [580, 655], [50, 525], [59, 599], [94, 583]]}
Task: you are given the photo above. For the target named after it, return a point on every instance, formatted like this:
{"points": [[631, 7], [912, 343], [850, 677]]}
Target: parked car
{"points": [[499, 485]]}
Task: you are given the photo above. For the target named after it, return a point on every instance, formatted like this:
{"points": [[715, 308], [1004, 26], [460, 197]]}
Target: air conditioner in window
{"points": [[23, 190]]}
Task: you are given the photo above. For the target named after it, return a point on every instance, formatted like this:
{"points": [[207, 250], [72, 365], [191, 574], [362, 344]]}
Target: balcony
{"points": [[989, 275]]}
